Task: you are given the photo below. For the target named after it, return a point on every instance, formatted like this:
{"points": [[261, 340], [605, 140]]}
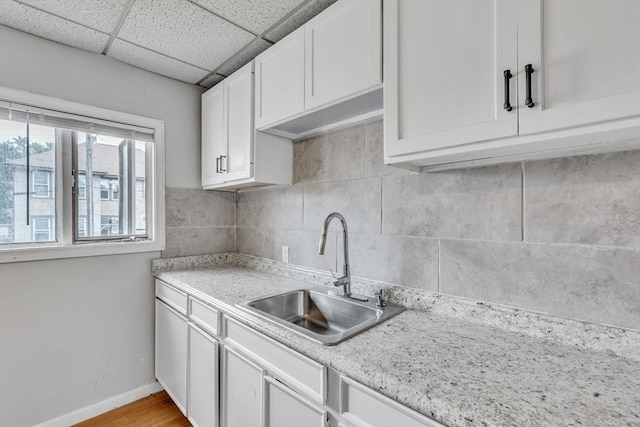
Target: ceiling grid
{"points": [[194, 41]]}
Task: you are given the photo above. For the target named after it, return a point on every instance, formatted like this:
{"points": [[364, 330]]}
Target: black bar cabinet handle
{"points": [[528, 69], [217, 164], [507, 76]]}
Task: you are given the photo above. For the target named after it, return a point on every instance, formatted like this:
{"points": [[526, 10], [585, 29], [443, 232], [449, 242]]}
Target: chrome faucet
{"points": [[345, 280]]}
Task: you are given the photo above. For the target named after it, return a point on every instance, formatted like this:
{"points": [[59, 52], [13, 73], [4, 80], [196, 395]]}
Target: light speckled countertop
{"points": [[459, 362]]}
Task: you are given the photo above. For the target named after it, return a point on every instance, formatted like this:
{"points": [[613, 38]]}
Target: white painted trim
{"points": [[102, 407]]}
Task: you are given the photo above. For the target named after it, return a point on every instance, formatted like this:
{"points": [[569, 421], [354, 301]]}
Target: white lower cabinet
{"points": [[286, 408], [364, 407], [242, 391], [187, 352], [202, 395], [171, 353], [266, 384]]}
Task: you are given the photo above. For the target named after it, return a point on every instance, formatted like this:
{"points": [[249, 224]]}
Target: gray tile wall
{"points": [[199, 222], [557, 236]]}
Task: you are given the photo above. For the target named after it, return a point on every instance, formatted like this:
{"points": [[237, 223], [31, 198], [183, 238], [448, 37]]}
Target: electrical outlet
{"points": [[285, 254]]}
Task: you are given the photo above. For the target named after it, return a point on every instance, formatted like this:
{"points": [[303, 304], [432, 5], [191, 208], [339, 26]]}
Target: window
{"points": [[82, 186], [77, 180], [41, 229], [109, 226], [41, 183], [109, 188], [104, 189], [82, 226]]}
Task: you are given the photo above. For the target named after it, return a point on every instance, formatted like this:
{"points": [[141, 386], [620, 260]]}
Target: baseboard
{"points": [[99, 408]]}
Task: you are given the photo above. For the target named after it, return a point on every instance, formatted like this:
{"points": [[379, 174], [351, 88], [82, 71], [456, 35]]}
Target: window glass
{"points": [[82, 186], [41, 229], [115, 174], [27, 186], [114, 189], [109, 226], [82, 226], [41, 183], [104, 189], [140, 203]]}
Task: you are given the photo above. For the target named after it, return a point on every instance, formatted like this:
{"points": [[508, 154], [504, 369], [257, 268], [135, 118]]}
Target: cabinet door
{"points": [[171, 353], [444, 69], [239, 109], [214, 135], [285, 408], [586, 60], [242, 391], [203, 379], [364, 407], [343, 52], [279, 80]]}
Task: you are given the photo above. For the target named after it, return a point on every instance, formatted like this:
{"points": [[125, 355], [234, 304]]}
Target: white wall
{"points": [[76, 332]]}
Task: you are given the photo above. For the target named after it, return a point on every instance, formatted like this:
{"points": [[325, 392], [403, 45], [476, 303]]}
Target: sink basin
{"points": [[319, 314]]}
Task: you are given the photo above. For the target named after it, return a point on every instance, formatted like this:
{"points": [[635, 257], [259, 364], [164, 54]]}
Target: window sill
{"points": [[76, 251]]}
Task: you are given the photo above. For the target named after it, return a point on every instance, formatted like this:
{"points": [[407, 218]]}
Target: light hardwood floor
{"points": [[156, 410]]}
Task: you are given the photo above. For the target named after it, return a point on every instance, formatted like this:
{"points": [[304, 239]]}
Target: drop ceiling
{"points": [[194, 41]]}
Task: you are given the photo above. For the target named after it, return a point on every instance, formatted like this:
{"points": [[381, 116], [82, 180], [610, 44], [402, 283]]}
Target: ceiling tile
{"points": [[152, 61], [245, 55], [212, 80], [297, 20], [184, 31], [41, 24], [101, 15], [254, 15]]}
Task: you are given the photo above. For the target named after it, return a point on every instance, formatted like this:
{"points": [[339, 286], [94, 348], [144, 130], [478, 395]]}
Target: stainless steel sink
{"points": [[319, 314]]}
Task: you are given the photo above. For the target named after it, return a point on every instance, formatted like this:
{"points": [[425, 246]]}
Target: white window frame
{"points": [[63, 183]]}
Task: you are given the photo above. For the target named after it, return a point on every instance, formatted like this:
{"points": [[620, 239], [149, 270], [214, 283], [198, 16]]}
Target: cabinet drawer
{"points": [[204, 316], [295, 370], [364, 407], [173, 297]]}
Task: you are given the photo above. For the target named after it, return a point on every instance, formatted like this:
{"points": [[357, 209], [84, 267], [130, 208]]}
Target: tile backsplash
{"points": [[199, 222], [558, 236]]}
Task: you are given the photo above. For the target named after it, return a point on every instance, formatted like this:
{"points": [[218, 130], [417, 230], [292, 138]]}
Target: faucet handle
{"points": [[380, 302]]}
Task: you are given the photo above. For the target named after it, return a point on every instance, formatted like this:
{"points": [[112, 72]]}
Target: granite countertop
{"points": [[458, 362]]}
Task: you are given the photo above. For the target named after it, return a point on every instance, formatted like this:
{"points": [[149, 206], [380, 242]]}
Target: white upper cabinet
{"points": [[444, 72], [457, 89], [343, 52], [279, 80], [234, 155], [586, 61], [238, 91], [227, 129], [214, 135], [323, 74]]}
